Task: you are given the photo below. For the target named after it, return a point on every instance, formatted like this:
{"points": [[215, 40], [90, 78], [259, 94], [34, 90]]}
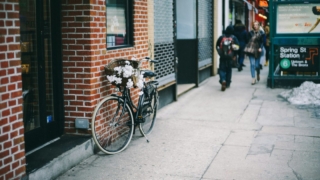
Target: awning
{"points": [[250, 6]]}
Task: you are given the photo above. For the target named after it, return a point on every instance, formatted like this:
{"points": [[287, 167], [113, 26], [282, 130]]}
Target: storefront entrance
{"points": [[40, 38], [194, 42]]}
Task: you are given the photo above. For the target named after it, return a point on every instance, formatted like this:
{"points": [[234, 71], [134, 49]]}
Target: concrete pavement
{"points": [[246, 132]]}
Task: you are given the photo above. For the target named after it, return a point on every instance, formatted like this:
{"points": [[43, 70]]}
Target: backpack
{"points": [[225, 47]]}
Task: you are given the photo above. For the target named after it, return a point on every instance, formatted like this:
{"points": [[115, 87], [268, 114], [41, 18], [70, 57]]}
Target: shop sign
{"points": [[298, 18], [299, 58], [263, 3]]}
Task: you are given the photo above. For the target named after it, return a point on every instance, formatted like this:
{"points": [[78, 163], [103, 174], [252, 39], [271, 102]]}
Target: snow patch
{"points": [[307, 94]]}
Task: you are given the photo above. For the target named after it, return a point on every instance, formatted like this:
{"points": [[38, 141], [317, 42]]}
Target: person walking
{"points": [[262, 54], [267, 44], [226, 46], [241, 34], [253, 50]]}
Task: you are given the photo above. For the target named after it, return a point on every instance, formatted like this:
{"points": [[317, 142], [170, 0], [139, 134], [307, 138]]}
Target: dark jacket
{"points": [[241, 34]]}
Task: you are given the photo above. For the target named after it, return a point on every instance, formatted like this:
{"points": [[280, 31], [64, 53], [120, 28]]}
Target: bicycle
{"points": [[116, 117]]}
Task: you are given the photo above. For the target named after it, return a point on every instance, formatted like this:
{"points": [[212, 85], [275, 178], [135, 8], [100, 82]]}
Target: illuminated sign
{"points": [[298, 18], [263, 3], [263, 16]]}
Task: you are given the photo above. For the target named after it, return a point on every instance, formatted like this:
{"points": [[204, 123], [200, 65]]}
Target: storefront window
{"points": [[186, 19], [119, 23]]}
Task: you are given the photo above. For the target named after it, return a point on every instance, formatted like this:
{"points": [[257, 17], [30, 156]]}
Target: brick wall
{"points": [[85, 54], [12, 152]]}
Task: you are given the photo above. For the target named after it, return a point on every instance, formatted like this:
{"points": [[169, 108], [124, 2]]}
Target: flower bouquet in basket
{"points": [[122, 72]]}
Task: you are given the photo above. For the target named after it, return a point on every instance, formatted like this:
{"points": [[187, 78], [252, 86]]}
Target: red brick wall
{"points": [[85, 54], [12, 152]]}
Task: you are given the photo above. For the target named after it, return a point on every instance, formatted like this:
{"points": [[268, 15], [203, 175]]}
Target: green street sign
{"points": [[285, 63]]}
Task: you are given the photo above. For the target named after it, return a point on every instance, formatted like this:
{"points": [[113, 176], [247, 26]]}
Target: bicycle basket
{"points": [[110, 69]]}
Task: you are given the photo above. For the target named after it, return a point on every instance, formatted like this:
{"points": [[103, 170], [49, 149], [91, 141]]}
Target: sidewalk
{"points": [[246, 132]]}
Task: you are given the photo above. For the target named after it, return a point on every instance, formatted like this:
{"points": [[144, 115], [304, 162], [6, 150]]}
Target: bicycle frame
{"points": [[125, 95]]}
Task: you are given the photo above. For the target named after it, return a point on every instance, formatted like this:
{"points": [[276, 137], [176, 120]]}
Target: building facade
{"points": [[52, 68], [53, 55]]}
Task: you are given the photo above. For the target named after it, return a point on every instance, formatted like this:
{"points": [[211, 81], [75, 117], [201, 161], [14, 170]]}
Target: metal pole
{"points": [[272, 29]]}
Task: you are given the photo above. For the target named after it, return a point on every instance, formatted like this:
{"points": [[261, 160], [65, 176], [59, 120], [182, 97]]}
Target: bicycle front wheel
{"points": [[112, 125], [149, 113]]}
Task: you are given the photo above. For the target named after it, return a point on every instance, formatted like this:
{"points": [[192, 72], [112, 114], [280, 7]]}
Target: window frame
{"points": [[129, 26]]}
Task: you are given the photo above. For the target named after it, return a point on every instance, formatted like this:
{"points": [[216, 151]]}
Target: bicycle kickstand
{"points": [[146, 138]]}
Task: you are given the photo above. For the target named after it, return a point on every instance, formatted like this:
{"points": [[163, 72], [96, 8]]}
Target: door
{"points": [[41, 64], [186, 41]]}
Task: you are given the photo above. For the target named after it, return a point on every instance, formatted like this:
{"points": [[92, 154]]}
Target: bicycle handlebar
{"points": [[151, 60]]}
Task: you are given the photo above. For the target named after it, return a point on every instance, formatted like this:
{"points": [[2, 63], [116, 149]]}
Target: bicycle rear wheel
{"points": [[149, 113], [112, 125]]}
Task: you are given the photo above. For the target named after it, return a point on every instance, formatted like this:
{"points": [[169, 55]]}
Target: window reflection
{"points": [[117, 23]]}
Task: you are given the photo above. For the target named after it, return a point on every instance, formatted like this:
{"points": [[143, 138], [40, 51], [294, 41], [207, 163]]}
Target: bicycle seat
{"points": [[148, 73], [154, 82]]}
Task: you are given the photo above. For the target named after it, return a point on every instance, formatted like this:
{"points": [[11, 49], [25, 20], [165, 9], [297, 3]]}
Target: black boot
{"points": [[258, 74]]}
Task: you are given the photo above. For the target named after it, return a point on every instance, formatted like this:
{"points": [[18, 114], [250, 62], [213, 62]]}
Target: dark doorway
{"points": [[40, 38]]}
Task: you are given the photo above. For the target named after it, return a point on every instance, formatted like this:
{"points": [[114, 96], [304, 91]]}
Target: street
{"points": [[247, 132]]}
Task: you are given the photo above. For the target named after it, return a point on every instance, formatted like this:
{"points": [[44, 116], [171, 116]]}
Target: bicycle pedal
{"points": [[140, 119]]}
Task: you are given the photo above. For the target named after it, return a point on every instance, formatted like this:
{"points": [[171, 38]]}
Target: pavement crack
{"points": [[253, 96], [243, 112], [272, 150], [258, 114], [205, 171], [298, 176]]}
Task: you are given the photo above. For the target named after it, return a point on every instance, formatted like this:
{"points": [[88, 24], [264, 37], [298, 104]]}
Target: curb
{"points": [[64, 162]]}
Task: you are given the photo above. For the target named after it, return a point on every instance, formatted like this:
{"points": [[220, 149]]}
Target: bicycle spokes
{"points": [[113, 125]]}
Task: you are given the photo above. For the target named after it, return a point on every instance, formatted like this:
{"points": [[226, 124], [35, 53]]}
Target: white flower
{"points": [[127, 71], [111, 78], [140, 84], [140, 93], [118, 70], [133, 58], [129, 84], [141, 78], [118, 80]]}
